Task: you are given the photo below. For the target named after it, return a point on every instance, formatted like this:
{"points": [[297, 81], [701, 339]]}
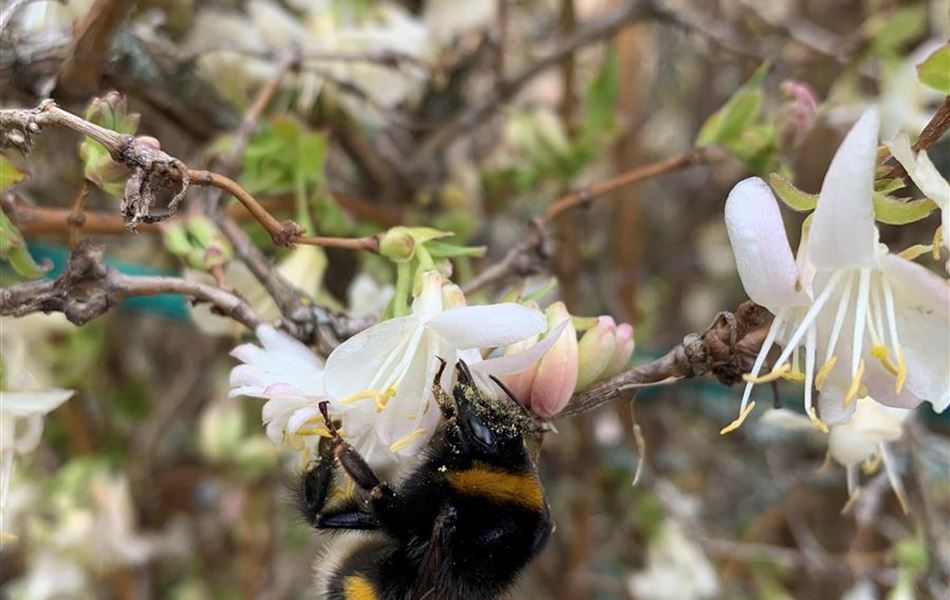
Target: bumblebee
{"points": [[461, 526]]}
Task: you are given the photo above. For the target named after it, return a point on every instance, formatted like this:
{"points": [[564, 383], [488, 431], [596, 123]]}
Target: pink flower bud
{"points": [[799, 113], [594, 351], [556, 374], [623, 350], [520, 383], [148, 142]]}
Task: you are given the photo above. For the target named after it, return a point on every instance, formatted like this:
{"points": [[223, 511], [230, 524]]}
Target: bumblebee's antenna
{"points": [[524, 409], [464, 374]]}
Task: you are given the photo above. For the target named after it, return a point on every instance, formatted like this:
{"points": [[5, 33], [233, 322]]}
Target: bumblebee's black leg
{"points": [[383, 498], [445, 402], [349, 515], [315, 485]]}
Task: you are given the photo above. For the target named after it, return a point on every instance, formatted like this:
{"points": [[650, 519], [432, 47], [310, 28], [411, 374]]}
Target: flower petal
{"points": [[922, 309], [354, 363], [763, 257], [289, 348], [487, 325], [25, 403], [523, 359], [843, 233], [921, 170]]}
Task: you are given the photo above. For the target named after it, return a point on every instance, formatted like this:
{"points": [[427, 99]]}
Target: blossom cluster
{"points": [[378, 383]]}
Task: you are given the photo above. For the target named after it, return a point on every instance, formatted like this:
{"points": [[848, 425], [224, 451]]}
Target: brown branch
{"points": [[152, 170], [528, 257], [77, 217], [586, 194], [88, 288], [79, 74], [725, 350], [930, 135]]}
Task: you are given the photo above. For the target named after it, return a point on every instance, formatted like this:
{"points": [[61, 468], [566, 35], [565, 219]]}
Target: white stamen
{"points": [[808, 319], [777, 323], [840, 314], [896, 484], [852, 480], [860, 315], [810, 342], [891, 317]]}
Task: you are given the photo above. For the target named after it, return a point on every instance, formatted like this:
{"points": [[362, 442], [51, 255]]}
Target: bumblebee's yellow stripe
{"points": [[481, 480], [357, 587]]}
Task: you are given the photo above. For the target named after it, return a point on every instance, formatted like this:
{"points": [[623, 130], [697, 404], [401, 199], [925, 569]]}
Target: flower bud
{"points": [[452, 296], [520, 383], [594, 351], [397, 244], [556, 374], [799, 113], [623, 350]]}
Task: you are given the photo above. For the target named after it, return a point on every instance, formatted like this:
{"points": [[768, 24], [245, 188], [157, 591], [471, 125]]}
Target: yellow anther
{"points": [[383, 399], [7, 537], [794, 376], [773, 375], [361, 396], [872, 464], [824, 371], [738, 422], [916, 251], [935, 245], [405, 441], [901, 369], [852, 392], [880, 352], [818, 423], [320, 430]]}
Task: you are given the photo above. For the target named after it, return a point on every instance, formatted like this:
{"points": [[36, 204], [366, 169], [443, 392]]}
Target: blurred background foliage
{"points": [[152, 483]]}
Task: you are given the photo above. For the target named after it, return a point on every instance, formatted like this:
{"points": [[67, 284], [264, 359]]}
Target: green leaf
{"points": [[894, 211], [443, 250], [13, 250], [888, 32], [793, 197], [727, 123], [12, 245], [9, 175], [935, 71], [602, 94]]}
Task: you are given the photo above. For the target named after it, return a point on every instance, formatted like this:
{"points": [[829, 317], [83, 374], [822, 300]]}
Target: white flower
{"points": [[25, 399], [389, 367], [365, 297], [926, 176], [676, 569], [886, 318], [288, 375], [51, 576], [863, 438]]}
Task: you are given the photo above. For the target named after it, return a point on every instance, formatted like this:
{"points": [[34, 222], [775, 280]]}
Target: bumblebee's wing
{"points": [[427, 585]]}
